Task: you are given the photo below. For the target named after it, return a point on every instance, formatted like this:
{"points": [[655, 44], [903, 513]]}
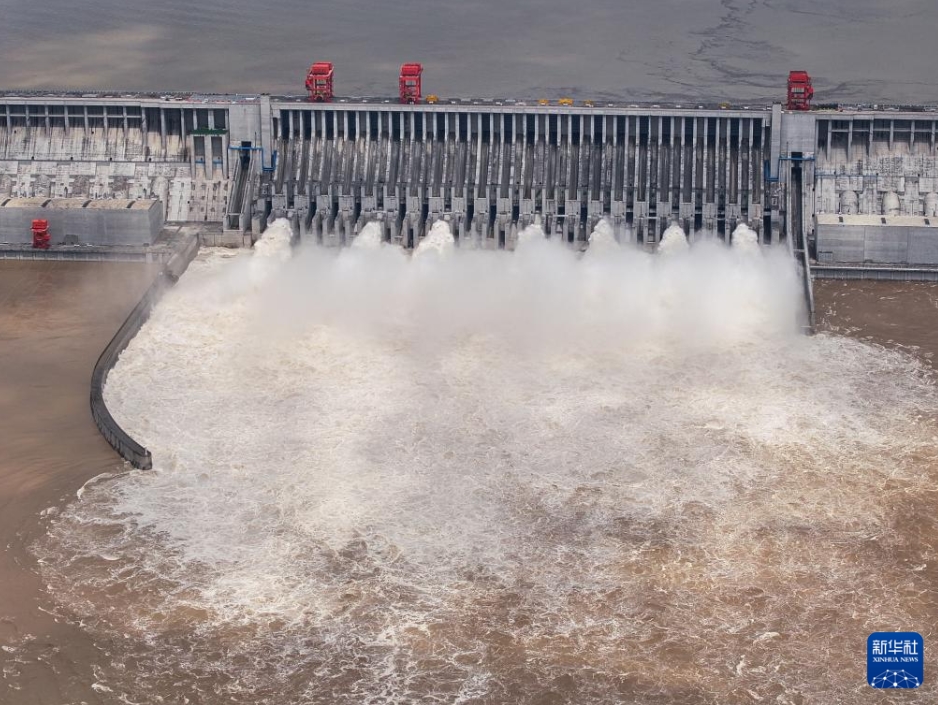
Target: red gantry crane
{"points": [[410, 83], [800, 90], [319, 82]]}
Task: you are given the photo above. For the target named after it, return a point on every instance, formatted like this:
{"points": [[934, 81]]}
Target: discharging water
{"points": [[487, 477]]}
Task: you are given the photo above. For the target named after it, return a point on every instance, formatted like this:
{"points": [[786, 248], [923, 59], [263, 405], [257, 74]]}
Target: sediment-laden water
{"points": [[486, 477]]}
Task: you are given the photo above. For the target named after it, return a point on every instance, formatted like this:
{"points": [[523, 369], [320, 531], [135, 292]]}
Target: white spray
{"points": [[369, 238], [603, 237], [390, 463], [745, 238], [438, 241], [673, 241]]}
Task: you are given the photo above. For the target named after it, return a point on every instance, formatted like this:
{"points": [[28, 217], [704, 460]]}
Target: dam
{"points": [[487, 167], [537, 458]]}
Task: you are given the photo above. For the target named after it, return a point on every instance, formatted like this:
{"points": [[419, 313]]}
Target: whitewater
{"points": [[467, 476]]}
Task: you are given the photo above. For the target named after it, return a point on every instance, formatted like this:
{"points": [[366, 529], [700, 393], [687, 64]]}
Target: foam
{"points": [[673, 240], [462, 474]]}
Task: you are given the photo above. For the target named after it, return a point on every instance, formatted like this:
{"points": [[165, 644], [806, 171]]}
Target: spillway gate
{"points": [[491, 173]]}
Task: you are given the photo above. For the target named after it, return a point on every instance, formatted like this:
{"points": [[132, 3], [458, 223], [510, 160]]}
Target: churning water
{"points": [[470, 476]]}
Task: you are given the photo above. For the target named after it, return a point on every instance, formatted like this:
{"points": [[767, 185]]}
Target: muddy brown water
{"points": [[899, 315], [56, 317]]}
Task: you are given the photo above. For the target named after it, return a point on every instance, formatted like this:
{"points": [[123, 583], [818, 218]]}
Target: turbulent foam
{"points": [[603, 237], [438, 241], [745, 238], [381, 478], [531, 234], [369, 238], [673, 240]]}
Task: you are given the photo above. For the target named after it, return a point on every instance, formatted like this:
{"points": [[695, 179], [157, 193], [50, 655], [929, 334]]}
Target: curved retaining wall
{"points": [[127, 447]]}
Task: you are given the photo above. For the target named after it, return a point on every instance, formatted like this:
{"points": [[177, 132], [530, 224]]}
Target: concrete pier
{"points": [[490, 173]]}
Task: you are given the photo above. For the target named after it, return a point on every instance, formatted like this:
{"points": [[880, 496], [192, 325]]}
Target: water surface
{"points": [[739, 50]]}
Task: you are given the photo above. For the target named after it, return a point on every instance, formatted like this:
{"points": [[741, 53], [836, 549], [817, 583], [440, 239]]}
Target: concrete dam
{"points": [[853, 184]]}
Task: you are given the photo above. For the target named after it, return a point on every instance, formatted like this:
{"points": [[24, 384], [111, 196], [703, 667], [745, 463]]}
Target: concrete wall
{"points": [[132, 148], [79, 222], [866, 161], [857, 243], [127, 447], [798, 133], [244, 124]]}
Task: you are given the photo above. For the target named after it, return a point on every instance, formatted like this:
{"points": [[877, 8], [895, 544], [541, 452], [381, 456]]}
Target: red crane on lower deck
{"points": [[40, 234]]}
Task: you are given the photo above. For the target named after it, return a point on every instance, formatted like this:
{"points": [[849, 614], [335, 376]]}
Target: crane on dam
{"points": [[319, 82], [410, 83], [800, 90]]}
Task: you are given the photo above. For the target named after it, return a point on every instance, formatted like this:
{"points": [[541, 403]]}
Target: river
{"points": [[485, 477]]}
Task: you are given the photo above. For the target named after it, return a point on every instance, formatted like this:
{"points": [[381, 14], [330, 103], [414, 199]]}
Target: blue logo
{"points": [[895, 660]]}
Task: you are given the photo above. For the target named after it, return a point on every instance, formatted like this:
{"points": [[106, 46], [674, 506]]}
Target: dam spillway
{"points": [[492, 173], [489, 168]]}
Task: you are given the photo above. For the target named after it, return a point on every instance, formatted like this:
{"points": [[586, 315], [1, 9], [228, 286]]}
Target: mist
{"points": [[544, 297], [469, 475]]}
